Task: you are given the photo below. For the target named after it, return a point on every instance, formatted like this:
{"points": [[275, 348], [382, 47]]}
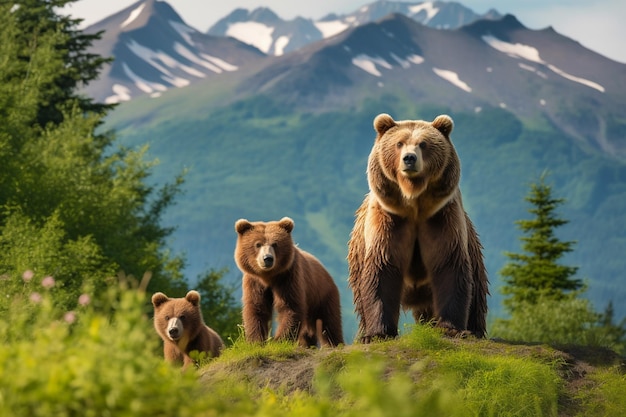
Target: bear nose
{"points": [[409, 159], [173, 332], [268, 260]]}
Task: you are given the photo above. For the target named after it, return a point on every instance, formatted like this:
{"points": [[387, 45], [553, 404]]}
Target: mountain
{"points": [[490, 62], [264, 29], [155, 50], [289, 136]]}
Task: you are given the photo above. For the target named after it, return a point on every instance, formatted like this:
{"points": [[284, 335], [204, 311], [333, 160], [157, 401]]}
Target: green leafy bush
{"points": [[571, 321], [96, 360]]}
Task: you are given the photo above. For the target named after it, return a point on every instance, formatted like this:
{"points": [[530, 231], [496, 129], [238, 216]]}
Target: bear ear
{"points": [[242, 226], [383, 122], [444, 124], [159, 298], [286, 223], [193, 297]]}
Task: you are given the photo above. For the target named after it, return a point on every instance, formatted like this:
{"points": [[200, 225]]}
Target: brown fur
{"points": [[195, 335], [412, 244], [296, 285]]}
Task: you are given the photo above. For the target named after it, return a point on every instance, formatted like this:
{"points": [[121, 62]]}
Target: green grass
{"points": [[104, 358]]}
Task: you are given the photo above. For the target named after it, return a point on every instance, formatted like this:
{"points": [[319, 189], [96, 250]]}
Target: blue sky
{"points": [[598, 25]]}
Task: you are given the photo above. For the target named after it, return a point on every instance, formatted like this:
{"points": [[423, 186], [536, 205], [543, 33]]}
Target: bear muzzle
{"points": [[174, 329], [266, 257], [411, 163]]}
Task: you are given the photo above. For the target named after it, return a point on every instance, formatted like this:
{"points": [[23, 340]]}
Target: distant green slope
{"points": [[258, 160]]}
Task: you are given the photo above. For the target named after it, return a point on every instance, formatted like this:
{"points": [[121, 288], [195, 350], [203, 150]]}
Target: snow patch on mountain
{"points": [[531, 53], [532, 69], [186, 53], [142, 84], [453, 78], [252, 33], [331, 27], [406, 63], [220, 62], [133, 15], [280, 44], [428, 7], [183, 30], [369, 64], [121, 93]]}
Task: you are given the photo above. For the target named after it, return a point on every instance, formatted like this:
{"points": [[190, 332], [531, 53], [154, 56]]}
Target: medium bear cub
{"points": [[413, 244], [180, 324], [279, 276]]}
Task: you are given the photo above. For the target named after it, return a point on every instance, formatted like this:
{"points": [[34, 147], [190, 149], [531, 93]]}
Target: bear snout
{"points": [[266, 257], [174, 329], [268, 260], [410, 162]]}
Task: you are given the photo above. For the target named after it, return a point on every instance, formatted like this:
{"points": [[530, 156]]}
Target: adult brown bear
{"points": [[413, 244]]}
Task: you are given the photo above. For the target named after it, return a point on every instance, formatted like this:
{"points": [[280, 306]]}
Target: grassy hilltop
{"points": [[104, 358]]}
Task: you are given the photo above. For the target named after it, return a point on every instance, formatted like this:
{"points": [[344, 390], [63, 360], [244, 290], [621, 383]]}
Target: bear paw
{"points": [[451, 331]]}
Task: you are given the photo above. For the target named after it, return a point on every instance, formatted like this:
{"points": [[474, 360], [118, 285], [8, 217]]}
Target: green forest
{"points": [[84, 244]]}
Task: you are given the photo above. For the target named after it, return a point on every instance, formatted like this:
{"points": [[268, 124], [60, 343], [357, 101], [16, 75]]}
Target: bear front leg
{"points": [[289, 317], [257, 309], [383, 243], [443, 244]]}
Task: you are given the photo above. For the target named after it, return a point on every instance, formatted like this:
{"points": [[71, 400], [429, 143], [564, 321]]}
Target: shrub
{"points": [[92, 361]]}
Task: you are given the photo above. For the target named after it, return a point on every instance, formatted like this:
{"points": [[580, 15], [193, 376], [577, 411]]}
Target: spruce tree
{"points": [[537, 272]]}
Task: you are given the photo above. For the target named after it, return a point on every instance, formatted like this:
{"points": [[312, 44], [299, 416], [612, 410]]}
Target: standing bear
{"points": [[413, 244], [180, 324], [278, 275]]}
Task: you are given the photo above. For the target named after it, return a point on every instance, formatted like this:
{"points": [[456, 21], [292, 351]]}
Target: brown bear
{"points": [[180, 324], [413, 245], [278, 275]]}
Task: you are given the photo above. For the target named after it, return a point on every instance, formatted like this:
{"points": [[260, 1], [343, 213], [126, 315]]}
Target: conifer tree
{"points": [[536, 272], [71, 205]]}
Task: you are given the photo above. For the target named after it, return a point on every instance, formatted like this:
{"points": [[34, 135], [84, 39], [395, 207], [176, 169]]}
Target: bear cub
{"points": [[279, 276], [413, 245], [180, 324]]}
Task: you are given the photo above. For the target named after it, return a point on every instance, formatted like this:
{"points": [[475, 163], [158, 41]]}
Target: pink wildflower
{"points": [[47, 282], [84, 299], [69, 317], [35, 297], [28, 275]]}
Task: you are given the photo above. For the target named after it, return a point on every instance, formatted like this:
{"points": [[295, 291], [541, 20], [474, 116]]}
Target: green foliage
{"points": [[570, 321], [70, 205], [537, 273], [96, 359], [220, 309]]}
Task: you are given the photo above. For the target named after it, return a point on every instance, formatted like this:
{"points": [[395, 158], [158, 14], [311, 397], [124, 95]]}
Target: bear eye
{"points": [[423, 145], [274, 245], [399, 145], [258, 245], [167, 318], [182, 317]]}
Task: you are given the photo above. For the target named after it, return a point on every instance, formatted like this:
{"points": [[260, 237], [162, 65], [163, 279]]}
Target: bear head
{"points": [[178, 319], [410, 153], [264, 249]]}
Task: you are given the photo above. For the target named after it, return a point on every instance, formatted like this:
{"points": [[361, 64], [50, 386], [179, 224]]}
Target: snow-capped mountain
{"points": [[155, 50], [532, 73], [265, 30]]}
